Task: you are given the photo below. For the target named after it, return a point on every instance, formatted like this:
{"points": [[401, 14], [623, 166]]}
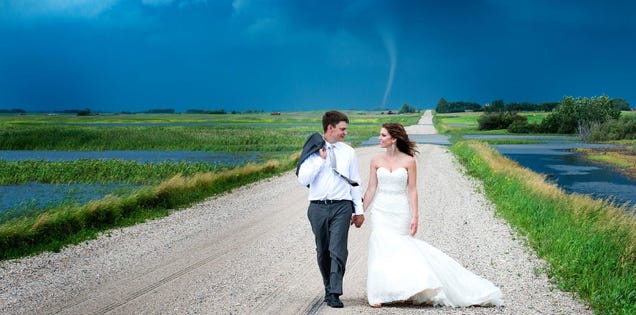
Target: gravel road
{"points": [[251, 251]]}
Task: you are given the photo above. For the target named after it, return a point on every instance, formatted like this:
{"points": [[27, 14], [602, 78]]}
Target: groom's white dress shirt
{"points": [[325, 184]]}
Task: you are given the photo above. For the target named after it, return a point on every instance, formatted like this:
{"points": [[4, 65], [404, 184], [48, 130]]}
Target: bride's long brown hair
{"points": [[403, 143]]}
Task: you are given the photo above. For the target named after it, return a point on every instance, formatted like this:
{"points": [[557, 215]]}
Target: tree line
{"points": [[444, 106], [593, 119]]}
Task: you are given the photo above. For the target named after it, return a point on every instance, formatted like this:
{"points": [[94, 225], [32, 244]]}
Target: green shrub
{"points": [[582, 112], [499, 120], [615, 129], [520, 126]]}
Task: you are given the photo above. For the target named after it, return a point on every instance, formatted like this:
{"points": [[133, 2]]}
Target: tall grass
{"points": [[197, 138], [590, 244], [58, 227], [234, 133], [92, 171]]}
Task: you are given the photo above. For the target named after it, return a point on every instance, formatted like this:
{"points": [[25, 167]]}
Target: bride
{"points": [[402, 268]]}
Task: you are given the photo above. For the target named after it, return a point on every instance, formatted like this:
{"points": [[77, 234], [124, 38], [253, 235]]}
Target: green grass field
{"points": [[167, 185], [226, 133]]}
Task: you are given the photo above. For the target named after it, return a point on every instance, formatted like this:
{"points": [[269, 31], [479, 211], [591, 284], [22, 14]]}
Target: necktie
{"points": [[332, 162], [332, 157]]}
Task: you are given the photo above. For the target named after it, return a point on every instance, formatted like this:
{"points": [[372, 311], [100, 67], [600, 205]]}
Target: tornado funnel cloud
{"points": [[390, 48]]}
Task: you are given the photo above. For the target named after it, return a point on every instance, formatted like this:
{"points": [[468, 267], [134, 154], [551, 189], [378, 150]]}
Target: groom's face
{"points": [[338, 132]]}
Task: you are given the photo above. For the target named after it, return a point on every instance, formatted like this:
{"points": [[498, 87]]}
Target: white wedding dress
{"points": [[404, 268]]}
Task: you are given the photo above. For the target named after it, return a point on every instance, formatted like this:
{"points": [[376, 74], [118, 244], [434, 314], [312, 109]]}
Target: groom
{"points": [[329, 167]]}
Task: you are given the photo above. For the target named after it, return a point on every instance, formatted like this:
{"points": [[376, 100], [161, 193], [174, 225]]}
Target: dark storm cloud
{"points": [[284, 54]]}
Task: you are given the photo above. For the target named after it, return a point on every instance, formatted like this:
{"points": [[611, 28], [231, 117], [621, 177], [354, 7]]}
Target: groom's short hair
{"points": [[333, 117]]}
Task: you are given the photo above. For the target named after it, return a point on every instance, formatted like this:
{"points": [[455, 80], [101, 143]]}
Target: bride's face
{"points": [[385, 138]]}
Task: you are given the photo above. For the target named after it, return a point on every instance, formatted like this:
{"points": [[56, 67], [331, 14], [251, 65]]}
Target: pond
{"points": [[568, 169], [33, 197], [572, 172]]}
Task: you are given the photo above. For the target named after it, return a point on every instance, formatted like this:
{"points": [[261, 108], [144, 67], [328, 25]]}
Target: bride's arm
{"points": [[412, 191], [371, 186]]}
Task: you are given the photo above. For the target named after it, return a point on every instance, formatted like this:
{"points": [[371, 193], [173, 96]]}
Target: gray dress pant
{"points": [[330, 224]]}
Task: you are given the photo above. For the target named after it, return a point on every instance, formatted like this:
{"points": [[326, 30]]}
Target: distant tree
{"points": [[496, 106], [442, 106], [406, 108], [616, 129], [18, 110], [161, 111], [13, 111], [572, 114], [205, 111], [456, 107], [499, 120], [620, 104], [518, 107], [520, 125], [547, 106], [84, 112]]}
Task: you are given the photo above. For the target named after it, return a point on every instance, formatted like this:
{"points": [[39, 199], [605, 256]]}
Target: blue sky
{"points": [[135, 55]]}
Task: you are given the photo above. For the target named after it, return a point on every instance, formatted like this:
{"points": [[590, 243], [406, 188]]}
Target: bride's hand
{"points": [[413, 226]]}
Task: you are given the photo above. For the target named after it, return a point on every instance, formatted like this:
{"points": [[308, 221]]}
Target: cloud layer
{"points": [[288, 54]]}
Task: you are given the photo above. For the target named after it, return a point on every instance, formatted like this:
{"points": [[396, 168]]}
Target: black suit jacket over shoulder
{"points": [[314, 143]]}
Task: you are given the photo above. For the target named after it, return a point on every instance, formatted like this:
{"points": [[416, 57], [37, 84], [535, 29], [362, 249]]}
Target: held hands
{"points": [[413, 226], [357, 220]]}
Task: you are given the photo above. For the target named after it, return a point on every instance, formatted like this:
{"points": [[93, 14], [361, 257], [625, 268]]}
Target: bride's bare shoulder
{"points": [[375, 160], [377, 157], [408, 160]]}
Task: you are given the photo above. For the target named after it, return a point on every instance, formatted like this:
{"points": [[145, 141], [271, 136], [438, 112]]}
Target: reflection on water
{"points": [[572, 172], [32, 197]]}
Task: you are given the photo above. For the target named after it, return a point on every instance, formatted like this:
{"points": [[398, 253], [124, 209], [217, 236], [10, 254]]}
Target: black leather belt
{"points": [[326, 202]]}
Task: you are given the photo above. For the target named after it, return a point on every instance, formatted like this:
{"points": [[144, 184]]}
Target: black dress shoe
{"points": [[334, 301]]}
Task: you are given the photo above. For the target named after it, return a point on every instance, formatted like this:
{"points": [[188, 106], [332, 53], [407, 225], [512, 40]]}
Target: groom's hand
{"points": [[357, 220], [323, 153]]}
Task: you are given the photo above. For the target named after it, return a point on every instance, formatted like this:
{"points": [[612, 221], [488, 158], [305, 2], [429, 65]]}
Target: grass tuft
{"points": [[53, 229]]}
